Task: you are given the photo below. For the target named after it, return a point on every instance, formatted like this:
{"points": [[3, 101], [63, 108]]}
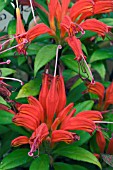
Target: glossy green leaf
{"points": [[21, 59], [7, 71], [3, 4], [65, 166], [30, 89], [102, 54], [72, 64], [62, 166], [40, 163], [7, 54], [42, 15], [5, 117], [33, 49], [84, 137], [6, 142], [100, 68], [86, 105], [76, 93], [44, 55], [2, 101], [108, 21], [12, 27], [77, 153], [15, 159]]}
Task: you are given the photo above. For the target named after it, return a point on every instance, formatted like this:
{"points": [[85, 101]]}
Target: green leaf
{"points": [[87, 105], [12, 27], [2, 101], [44, 55], [5, 117], [3, 129], [62, 166], [102, 54], [108, 21], [42, 15], [21, 59], [33, 49], [65, 166], [100, 68], [7, 71], [84, 137], [30, 89], [72, 64], [6, 142], [76, 93], [15, 159], [3, 4], [40, 163], [77, 153]]}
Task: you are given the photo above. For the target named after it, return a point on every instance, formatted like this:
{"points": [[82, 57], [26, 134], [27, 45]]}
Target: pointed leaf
{"points": [[44, 55], [77, 153], [3, 4], [7, 71], [5, 117], [108, 159], [65, 166], [2, 101], [100, 68], [40, 163], [87, 105], [15, 159], [76, 93], [30, 88], [102, 54]]}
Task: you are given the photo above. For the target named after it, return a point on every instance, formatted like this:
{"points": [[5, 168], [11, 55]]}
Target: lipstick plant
{"points": [[55, 90]]}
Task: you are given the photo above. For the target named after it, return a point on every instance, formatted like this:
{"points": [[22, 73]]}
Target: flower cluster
{"points": [[105, 96], [49, 119]]}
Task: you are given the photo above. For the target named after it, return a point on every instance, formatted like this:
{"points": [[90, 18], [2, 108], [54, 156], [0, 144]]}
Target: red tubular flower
{"points": [[23, 37], [96, 88], [92, 115], [31, 110], [61, 116], [99, 89], [37, 137], [26, 121], [20, 141], [52, 101], [58, 123], [33, 101], [65, 4], [20, 30], [101, 142], [75, 44], [110, 147], [95, 26], [61, 94], [103, 6], [35, 140], [37, 30], [80, 7], [62, 135], [52, 8], [44, 91], [108, 96], [75, 123]]}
